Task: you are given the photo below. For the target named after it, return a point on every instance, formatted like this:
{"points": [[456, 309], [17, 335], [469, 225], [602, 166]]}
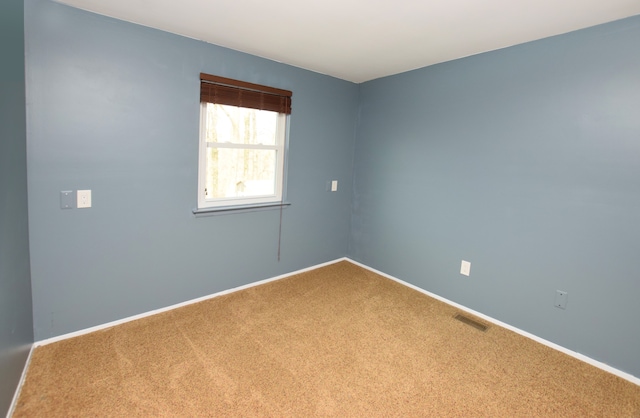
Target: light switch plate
{"points": [[465, 268], [84, 199], [67, 199], [334, 185], [561, 299]]}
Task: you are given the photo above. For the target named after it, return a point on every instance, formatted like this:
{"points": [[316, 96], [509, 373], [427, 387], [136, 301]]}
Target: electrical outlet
{"points": [[334, 185], [84, 198], [465, 268], [561, 299]]}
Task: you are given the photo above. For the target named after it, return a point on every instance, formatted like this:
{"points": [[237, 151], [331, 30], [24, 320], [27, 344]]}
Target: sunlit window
{"points": [[242, 145]]}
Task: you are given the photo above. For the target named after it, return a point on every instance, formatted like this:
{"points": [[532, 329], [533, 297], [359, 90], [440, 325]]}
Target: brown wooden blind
{"points": [[227, 91]]}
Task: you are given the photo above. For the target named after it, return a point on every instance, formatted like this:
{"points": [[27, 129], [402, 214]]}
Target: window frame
{"points": [[280, 149], [225, 91]]}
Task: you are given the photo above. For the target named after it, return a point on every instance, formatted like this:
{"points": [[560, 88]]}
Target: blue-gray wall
{"points": [[114, 107], [16, 326], [525, 162]]}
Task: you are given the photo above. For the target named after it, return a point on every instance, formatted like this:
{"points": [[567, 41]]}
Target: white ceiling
{"points": [[360, 40]]}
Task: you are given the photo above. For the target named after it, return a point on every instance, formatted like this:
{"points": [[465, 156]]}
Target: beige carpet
{"points": [[337, 341]]}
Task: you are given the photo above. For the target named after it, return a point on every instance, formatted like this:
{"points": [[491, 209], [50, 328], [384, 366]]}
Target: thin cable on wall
{"points": [[281, 207]]}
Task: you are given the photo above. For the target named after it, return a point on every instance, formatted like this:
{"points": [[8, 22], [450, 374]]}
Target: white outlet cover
{"points": [[465, 268], [84, 199], [334, 185]]}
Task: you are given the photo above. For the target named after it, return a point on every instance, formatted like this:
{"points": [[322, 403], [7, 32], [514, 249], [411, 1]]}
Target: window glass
{"points": [[241, 156]]}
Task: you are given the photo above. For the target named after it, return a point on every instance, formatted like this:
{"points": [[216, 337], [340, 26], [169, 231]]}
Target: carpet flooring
{"points": [[336, 341]]}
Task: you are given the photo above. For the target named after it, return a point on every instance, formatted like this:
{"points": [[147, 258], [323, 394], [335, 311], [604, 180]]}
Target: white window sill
{"points": [[226, 210]]}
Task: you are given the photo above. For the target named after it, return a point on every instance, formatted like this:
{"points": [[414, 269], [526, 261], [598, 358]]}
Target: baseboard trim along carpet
{"points": [[582, 357], [181, 304], [16, 395]]}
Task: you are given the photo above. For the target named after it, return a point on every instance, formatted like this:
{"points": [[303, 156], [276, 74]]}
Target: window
{"points": [[242, 143]]}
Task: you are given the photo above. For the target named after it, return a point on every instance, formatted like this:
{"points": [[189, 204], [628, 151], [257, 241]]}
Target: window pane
{"points": [[240, 173], [240, 125]]}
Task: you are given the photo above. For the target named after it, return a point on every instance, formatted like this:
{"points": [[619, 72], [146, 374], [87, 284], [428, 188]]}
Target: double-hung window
{"points": [[242, 143]]}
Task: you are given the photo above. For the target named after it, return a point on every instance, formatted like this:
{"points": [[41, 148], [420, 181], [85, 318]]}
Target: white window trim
{"points": [[276, 199]]}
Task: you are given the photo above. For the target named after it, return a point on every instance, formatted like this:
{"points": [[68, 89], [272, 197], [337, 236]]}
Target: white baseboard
{"points": [[582, 357], [16, 395], [179, 305]]}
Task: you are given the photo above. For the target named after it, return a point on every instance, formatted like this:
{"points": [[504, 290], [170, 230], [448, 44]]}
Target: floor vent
{"points": [[473, 323]]}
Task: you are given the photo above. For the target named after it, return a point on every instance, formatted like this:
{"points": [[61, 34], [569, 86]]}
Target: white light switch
{"points": [[84, 199], [465, 268], [334, 185]]}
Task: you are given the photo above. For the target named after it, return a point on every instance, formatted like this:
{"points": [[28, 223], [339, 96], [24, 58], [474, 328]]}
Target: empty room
{"points": [[216, 208]]}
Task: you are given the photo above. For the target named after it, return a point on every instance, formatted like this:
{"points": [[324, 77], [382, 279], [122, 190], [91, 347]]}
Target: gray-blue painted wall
{"points": [[16, 326], [525, 162], [114, 107]]}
